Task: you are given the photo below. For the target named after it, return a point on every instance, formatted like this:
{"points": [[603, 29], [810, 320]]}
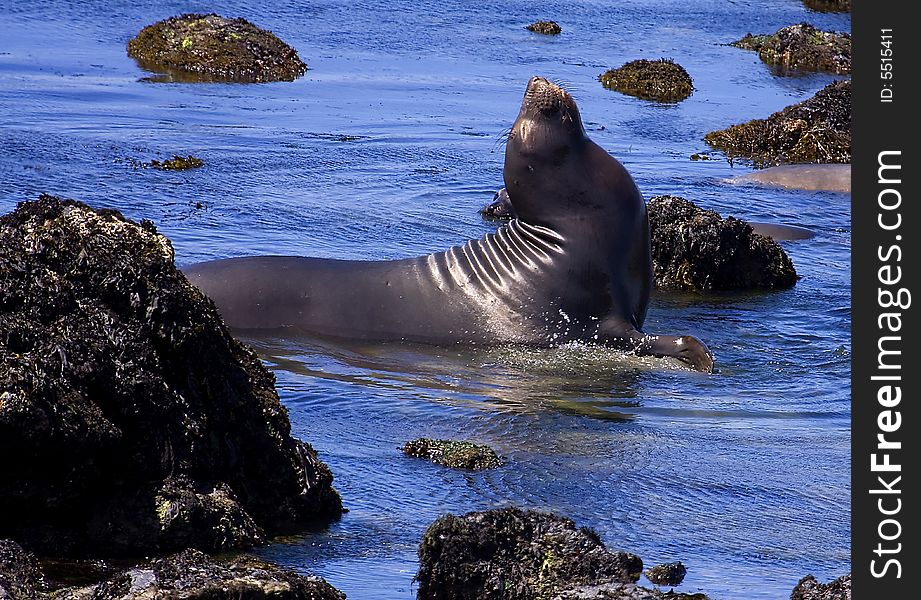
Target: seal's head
{"points": [[552, 170]]}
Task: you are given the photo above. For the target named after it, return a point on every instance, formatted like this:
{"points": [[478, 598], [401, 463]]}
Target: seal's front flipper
{"points": [[685, 348]]}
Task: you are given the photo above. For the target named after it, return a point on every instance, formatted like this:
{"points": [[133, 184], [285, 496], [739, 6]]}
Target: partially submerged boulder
{"points": [[545, 27], [669, 574], [515, 554], [457, 454], [131, 421], [190, 575], [828, 5], [177, 163], [810, 589], [661, 80], [817, 130], [802, 47], [696, 249], [198, 47]]}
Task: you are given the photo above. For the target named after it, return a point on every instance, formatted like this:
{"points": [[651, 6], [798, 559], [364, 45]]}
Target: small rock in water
{"points": [[545, 27], [669, 574], [453, 453]]}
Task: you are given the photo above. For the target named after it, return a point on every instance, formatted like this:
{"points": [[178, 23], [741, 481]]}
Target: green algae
{"points": [[661, 80], [201, 48], [453, 453], [817, 130], [801, 47], [177, 163], [545, 27]]}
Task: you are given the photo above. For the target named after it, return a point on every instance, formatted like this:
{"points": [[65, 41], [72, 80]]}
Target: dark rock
{"points": [[810, 589], [20, 576], [500, 208], [661, 80], [192, 575], [453, 453], [670, 574], [696, 249], [828, 5], [512, 554], [802, 47], [196, 47], [545, 27], [137, 423], [817, 130]]}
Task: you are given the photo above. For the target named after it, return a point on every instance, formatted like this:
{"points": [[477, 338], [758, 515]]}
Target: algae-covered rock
{"points": [[802, 47], [192, 575], [669, 574], [513, 554], [661, 80], [177, 163], [453, 453], [198, 47], [545, 27], [130, 420], [828, 5], [810, 589], [189, 575], [817, 130], [20, 576], [696, 249]]}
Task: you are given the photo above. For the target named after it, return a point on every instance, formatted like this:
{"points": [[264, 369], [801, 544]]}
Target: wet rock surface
{"points": [[545, 27], [817, 130], [667, 574], [190, 575], [453, 453], [516, 554], [696, 249], [828, 5], [802, 47], [20, 576], [661, 80], [139, 425], [810, 589], [199, 47], [177, 163], [512, 553]]}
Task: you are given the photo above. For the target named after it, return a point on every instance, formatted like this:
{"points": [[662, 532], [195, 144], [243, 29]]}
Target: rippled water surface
{"points": [[387, 148]]}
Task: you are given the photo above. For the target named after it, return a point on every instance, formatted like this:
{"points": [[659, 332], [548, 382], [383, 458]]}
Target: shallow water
{"points": [[387, 148]]}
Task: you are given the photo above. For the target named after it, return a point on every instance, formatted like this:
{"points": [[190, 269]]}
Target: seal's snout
{"points": [[544, 96]]}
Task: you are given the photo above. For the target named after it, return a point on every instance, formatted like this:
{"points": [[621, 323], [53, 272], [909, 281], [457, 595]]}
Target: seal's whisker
{"points": [[502, 138]]}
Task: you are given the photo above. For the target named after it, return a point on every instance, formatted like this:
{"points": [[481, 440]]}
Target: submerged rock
{"points": [[817, 130], [190, 575], [670, 574], [514, 554], [198, 47], [137, 423], [661, 80], [545, 27], [696, 249], [828, 5], [802, 47], [453, 453], [810, 589], [178, 163]]}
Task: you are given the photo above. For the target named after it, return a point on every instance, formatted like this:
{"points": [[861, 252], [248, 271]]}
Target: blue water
{"points": [[387, 148]]}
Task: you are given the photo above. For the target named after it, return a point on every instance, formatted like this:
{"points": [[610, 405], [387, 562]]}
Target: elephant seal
{"points": [[832, 178], [501, 208], [574, 266]]}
